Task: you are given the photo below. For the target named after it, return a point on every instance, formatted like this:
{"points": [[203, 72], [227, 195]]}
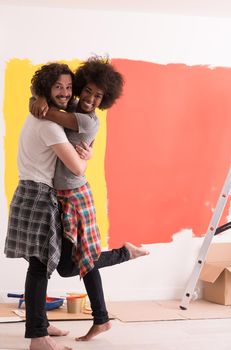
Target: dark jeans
{"points": [[35, 298], [36, 287]]}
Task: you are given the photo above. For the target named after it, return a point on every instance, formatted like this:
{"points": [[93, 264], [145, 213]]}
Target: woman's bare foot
{"points": [[134, 251], [46, 343], [95, 330], [56, 332]]}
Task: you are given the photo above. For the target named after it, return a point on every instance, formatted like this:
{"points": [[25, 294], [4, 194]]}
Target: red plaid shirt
{"points": [[79, 225]]}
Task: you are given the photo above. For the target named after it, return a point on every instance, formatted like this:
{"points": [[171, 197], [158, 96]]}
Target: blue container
{"points": [[51, 303]]}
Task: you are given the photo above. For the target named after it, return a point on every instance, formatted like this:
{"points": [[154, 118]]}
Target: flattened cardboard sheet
{"points": [[198, 309], [140, 311], [135, 311], [6, 310], [163, 310]]}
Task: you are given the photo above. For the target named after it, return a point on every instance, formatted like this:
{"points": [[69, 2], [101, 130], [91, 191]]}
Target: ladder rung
{"points": [[223, 228]]}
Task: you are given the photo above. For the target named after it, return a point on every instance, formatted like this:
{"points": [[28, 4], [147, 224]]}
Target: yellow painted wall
{"points": [[18, 75]]}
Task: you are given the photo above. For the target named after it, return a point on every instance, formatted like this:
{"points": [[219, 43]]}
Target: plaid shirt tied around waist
{"points": [[79, 226], [34, 225]]}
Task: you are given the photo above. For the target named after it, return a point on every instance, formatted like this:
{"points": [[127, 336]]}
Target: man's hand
{"points": [[38, 107], [85, 152]]}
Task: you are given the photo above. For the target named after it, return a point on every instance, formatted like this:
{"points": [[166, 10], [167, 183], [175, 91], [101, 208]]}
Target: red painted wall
{"points": [[168, 150]]}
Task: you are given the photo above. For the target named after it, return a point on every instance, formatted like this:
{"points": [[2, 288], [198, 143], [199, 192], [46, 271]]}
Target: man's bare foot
{"points": [[46, 343], [134, 251], [95, 330], [56, 332]]}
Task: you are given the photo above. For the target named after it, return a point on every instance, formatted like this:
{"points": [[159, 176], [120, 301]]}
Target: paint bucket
{"points": [[76, 303]]}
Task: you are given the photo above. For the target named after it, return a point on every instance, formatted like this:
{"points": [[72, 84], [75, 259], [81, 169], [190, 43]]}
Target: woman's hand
{"points": [[38, 107], [85, 152]]}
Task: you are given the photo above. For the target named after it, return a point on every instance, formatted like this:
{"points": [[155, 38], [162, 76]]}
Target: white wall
{"points": [[45, 34]]}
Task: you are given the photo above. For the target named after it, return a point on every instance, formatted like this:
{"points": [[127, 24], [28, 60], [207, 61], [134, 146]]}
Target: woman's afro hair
{"points": [[99, 71]]}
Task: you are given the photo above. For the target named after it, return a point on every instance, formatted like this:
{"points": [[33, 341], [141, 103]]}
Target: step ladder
{"points": [[211, 232]]}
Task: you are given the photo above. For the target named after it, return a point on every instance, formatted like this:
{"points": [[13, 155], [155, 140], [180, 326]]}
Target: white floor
{"points": [[213, 334]]}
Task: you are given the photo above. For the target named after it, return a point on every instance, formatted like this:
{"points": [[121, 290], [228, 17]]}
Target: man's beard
{"points": [[59, 106]]}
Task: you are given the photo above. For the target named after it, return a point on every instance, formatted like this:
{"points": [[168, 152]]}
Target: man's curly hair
{"points": [[45, 77], [99, 71]]}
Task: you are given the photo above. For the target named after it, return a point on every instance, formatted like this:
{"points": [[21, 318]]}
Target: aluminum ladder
{"points": [[211, 232]]}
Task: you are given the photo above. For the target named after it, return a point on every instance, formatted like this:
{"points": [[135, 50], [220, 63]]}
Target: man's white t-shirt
{"points": [[36, 159]]}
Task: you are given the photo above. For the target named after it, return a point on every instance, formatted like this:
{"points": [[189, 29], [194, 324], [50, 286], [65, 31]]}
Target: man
{"points": [[34, 228]]}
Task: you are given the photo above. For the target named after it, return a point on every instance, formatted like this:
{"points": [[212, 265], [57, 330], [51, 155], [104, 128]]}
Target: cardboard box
{"points": [[216, 274]]}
